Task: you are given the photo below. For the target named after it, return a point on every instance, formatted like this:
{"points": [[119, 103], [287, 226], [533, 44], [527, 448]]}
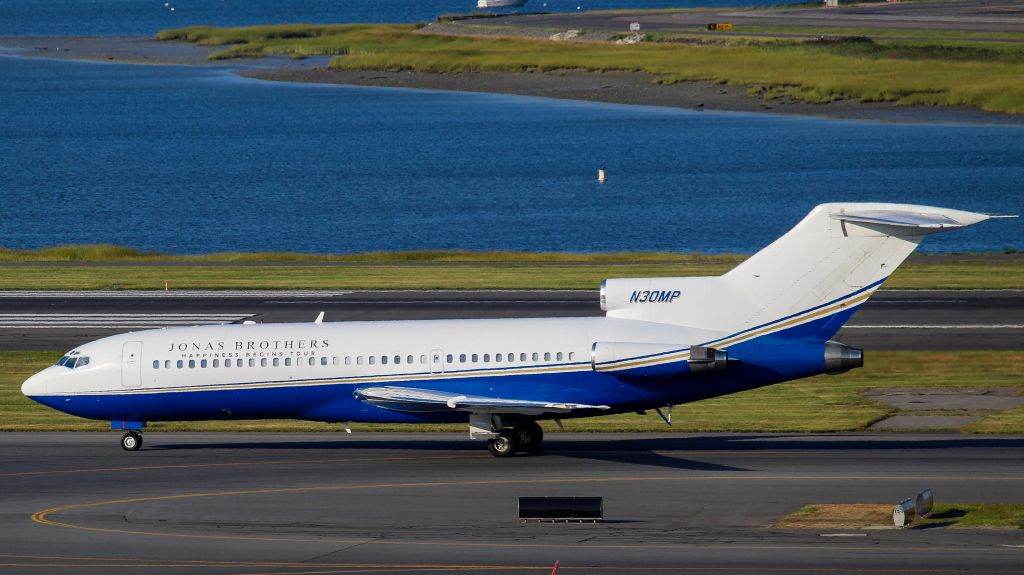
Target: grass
{"points": [[817, 72], [817, 404], [860, 515], [127, 268]]}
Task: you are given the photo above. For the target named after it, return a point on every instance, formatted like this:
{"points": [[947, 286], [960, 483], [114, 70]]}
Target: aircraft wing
{"points": [[412, 399]]}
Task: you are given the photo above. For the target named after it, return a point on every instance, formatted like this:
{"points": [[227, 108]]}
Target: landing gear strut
{"points": [[524, 436], [131, 441]]}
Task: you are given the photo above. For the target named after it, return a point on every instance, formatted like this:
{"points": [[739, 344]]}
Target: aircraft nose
{"points": [[35, 385]]}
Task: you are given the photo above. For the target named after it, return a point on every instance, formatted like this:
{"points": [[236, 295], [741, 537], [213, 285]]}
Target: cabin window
{"points": [[423, 359], [411, 359], [558, 356], [487, 358], [359, 360], [216, 363], [203, 364], [383, 360], [398, 359], [547, 356], [522, 357], [462, 358], [572, 355], [252, 362], [287, 362], [348, 360], [263, 362], [181, 364], [476, 358], [323, 360], [497, 358], [156, 364], [336, 360], [536, 356], [227, 363], [312, 361], [277, 361], [167, 364], [191, 364], [450, 358]]}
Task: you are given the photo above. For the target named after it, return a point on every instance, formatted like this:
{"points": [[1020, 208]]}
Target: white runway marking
{"points": [[113, 320]]}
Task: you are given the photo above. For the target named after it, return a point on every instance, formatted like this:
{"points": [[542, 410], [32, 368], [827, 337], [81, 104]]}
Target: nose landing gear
{"points": [[131, 441]]}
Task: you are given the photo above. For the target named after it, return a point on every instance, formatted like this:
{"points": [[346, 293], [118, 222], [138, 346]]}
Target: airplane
{"points": [[662, 342]]}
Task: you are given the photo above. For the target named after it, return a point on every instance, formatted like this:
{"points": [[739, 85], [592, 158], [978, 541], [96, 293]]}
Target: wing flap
{"points": [[411, 399]]}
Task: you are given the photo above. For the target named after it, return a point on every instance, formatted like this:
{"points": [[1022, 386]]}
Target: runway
{"points": [[406, 503], [898, 320]]}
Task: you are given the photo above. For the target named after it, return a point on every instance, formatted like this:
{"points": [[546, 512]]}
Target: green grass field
{"points": [[88, 267], [817, 404], [923, 72]]}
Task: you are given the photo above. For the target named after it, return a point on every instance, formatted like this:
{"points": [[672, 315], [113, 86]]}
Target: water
{"points": [[116, 17], [189, 160]]}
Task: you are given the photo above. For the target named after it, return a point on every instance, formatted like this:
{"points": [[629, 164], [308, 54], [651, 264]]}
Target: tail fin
{"points": [[827, 264]]}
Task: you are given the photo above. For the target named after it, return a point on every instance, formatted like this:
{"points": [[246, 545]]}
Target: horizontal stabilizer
{"points": [[418, 400], [922, 222]]}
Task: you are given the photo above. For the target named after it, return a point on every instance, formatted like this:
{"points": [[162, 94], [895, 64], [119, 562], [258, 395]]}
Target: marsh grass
{"points": [[818, 404], [916, 73]]}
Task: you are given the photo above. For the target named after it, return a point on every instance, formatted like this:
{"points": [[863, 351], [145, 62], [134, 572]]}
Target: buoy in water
{"points": [[600, 175]]}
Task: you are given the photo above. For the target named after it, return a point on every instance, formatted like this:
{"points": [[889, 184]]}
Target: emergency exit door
{"points": [[131, 364]]}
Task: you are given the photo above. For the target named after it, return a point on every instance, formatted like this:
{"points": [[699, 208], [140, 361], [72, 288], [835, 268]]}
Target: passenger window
{"points": [[348, 360], [398, 359], [497, 358], [227, 363], [335, 360], [238, 362], [383, 360], [372, 359], [180, 364], [277, 361], [287, 362], [252, 362], [423, 359], [263, 362], [410, 359], [547, 356], [572, 355], [359, 360], [536, 356], [323, 360], [475, 358], [216, 363], [156, 364], [522, 357], [462, 358], [558, 356], [487, 358], [450, 358], [167, 364], [191, 364], [203, 364], [312, 361]]}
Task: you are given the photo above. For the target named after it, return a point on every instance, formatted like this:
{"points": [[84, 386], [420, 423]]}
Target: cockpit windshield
{"points": [[73, 360]]}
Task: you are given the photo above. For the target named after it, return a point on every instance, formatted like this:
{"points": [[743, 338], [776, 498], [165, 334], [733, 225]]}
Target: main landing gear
{"points": [[523, 436], [131, 440]]}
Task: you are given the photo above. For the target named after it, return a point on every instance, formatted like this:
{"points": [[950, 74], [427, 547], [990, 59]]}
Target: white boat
{"points": [[499, 3]]}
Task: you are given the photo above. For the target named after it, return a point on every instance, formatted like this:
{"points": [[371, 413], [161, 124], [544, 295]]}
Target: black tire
{"points": [[131, 441], [503, 446], [529, 436]]}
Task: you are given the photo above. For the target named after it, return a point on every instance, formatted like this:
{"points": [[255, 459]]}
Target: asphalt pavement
{"points": [[407, 503], [898, 320]]}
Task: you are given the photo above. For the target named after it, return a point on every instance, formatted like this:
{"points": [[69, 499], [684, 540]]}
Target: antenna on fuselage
{"points": [[319, 318]]}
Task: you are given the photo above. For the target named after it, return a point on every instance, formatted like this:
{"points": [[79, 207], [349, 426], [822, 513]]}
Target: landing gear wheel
{"points": [[504, 445], [131, 441], [529, 436]]}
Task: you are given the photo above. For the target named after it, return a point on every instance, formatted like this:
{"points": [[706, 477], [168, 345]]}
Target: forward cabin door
{"points": [[131, 364], [436, 361]]}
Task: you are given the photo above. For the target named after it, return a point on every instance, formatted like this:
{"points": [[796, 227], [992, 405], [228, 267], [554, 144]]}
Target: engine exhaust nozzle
{"points": [[840, 357]]}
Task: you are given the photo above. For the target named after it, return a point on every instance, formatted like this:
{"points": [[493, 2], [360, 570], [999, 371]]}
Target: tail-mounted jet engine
{"points": [[655, 359], [840, 357]]}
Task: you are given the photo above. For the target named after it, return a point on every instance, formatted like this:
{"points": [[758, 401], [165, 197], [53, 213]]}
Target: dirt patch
{"points": [[838, 516]]}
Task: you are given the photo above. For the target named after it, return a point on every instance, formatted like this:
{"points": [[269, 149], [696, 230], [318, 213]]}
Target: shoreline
{"points": [[628, 88]]}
